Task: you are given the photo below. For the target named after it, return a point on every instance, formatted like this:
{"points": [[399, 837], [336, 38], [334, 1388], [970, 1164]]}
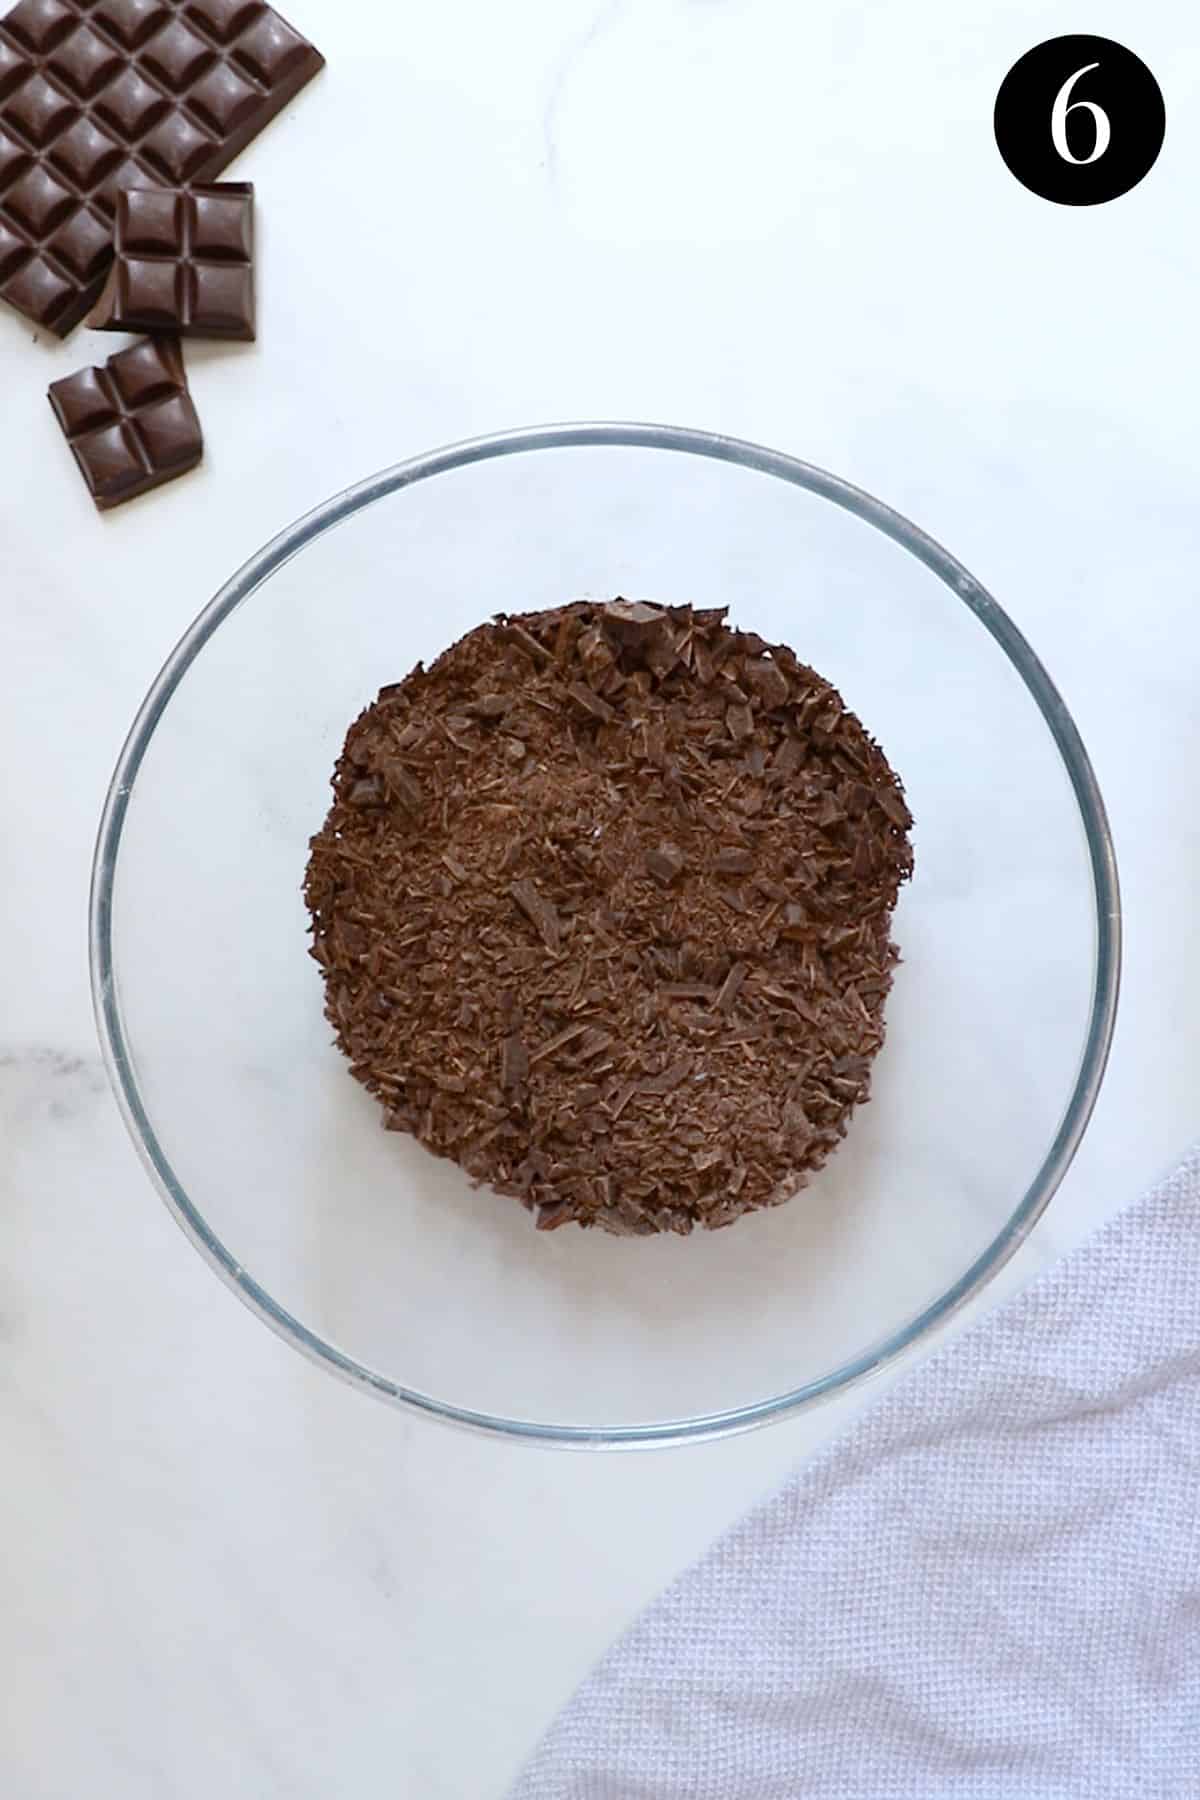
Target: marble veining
{"points": [[558, 86]]}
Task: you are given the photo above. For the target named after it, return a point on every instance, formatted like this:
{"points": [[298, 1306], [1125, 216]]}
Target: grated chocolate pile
{"points": [[602, 907]]}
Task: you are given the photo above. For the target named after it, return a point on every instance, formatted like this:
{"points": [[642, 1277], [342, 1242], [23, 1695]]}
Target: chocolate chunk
{"points": [[767, 682], [131, 424], [183, 262], [367, 792], [733, 861], [633, 624], [622, 948], [665, 862], [97, 98], [740, 721], [788, 757], [491, 706]]}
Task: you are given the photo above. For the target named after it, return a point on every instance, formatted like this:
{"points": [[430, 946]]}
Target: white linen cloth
{"points": [[989, 1589]]}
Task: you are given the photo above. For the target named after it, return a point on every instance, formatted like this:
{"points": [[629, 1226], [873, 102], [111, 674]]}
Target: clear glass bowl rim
{"points": [[688, 441]]}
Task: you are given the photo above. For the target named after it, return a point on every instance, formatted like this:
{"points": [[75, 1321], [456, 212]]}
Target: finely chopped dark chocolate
{"points": [[603, 911]]}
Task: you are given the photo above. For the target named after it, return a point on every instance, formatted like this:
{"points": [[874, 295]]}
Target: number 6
{"points": [[1064, 106]]}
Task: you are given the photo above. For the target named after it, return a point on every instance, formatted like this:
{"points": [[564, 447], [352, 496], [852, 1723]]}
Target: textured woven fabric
{"points": [[988, 1590]]}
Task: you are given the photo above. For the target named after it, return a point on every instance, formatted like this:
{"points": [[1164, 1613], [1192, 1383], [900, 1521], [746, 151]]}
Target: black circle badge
{"points": [[1080, 120]]}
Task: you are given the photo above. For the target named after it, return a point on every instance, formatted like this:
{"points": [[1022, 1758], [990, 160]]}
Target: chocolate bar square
{"points": [[97, 96], [130, 424], [184, 263]]}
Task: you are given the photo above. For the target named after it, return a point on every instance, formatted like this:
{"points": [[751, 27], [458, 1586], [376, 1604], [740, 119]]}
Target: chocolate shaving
{"points": [[891, 801], [517, 634], [591, 702], [404, 786], [731, 987], [621, 1099], [602, 908], [538, 910], [559, 1042], [669, 1080], [514, 1062]]}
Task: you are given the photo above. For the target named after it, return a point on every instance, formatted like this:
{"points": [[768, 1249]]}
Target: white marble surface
{"points": [[222, 1572]]}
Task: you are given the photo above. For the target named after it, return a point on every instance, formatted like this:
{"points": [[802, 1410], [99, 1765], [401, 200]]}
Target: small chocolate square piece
{"points": [[184, 263], [131, 424], [151, 221]]}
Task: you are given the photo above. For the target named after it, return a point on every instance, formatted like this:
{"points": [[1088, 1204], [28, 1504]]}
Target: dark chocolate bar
{"points": [[100, 95], [184, 263], [131, 424]]}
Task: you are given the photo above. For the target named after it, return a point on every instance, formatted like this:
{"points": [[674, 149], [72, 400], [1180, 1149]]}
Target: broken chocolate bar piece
{"points": [[183, 263], [131, 424], [101, 95]]}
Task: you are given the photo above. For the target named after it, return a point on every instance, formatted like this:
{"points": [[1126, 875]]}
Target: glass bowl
{"points": [[384, 1264]]}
